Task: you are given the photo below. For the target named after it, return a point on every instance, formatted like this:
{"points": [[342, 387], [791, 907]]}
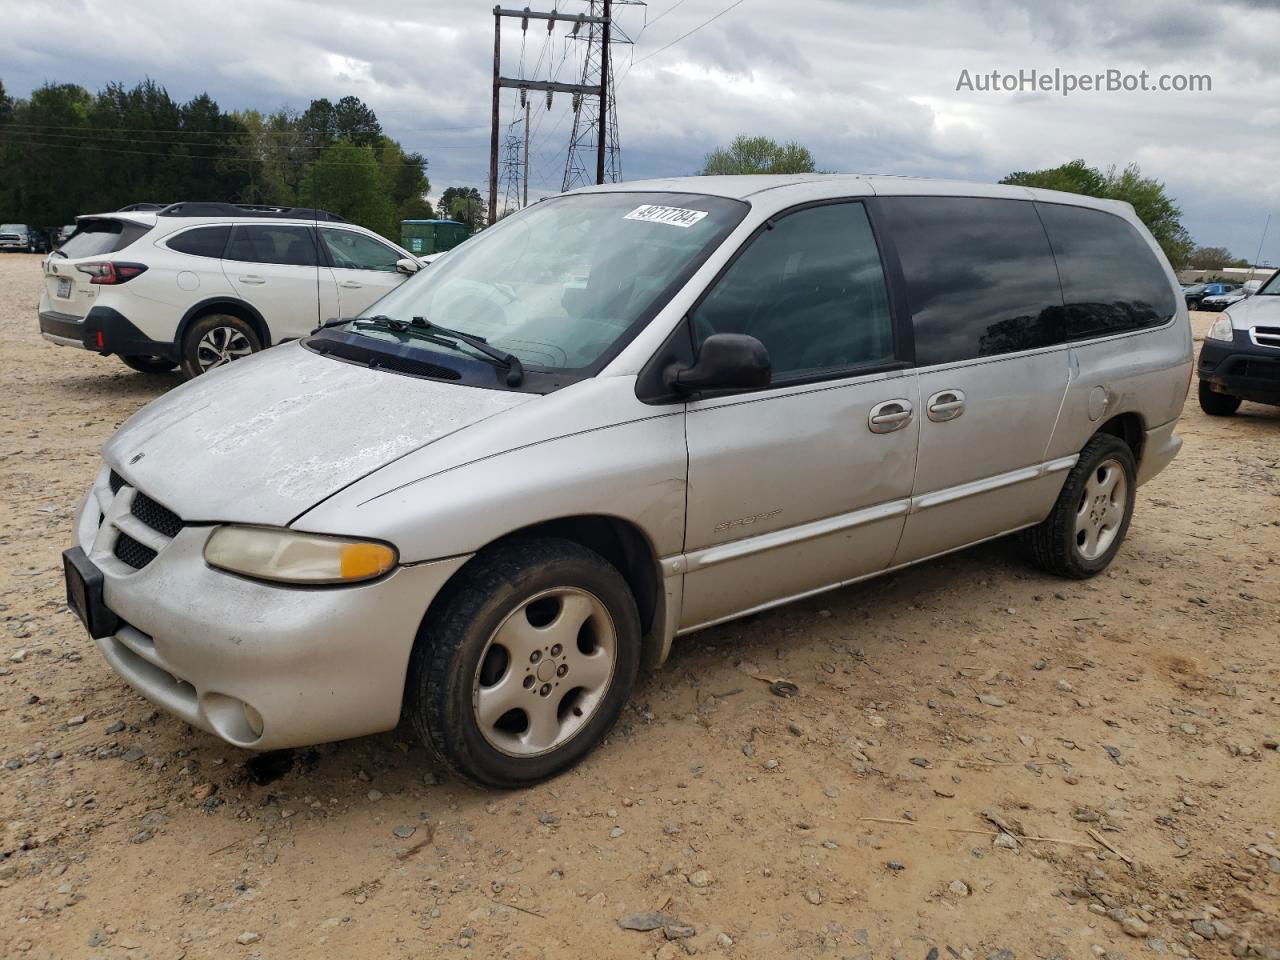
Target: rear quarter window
{"points": [[1111, 280], [202, 241], [96, 238], [979, 274]]}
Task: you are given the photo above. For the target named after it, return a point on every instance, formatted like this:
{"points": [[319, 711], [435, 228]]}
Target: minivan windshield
{"points": [[564, 283]]}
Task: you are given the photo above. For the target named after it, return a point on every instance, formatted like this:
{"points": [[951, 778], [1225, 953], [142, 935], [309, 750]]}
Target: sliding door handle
{"points": [[945, 405]]}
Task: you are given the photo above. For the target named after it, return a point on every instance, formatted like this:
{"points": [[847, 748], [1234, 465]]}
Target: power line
{"points": [[685, 36], [660, 16]]}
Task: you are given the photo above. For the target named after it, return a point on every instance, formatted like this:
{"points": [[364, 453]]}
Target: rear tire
{"points": [[149, 364], [1217, 404], [1083, 533], [526, 663], [216, 340]]}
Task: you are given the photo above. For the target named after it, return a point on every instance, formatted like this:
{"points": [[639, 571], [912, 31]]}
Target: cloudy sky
{"points": [[867, 86]]}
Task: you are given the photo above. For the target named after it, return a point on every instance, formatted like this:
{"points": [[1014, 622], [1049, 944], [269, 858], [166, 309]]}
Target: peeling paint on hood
{"points": [[266, 438]]}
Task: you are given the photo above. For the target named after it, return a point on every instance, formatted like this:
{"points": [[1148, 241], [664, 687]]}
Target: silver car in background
{"points": [[622, 415]]}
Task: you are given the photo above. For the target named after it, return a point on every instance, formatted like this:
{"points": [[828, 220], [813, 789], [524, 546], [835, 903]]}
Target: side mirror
{"points": [[408, 266], [727, 361]]}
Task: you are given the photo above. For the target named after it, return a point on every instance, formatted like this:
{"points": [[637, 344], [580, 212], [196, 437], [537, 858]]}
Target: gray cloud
{"points": [[866, 85]]}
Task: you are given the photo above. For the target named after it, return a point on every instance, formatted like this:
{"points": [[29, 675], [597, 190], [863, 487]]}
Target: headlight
{"points": [[268, 553], [1221, 329]]}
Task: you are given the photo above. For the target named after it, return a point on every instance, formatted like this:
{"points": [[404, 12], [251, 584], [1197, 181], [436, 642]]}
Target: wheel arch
{"points": [[1129, 427], [236, 307], [619, 541]]}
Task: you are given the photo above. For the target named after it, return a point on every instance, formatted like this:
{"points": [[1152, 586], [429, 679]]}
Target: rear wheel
{"points": [[526, 664], [215, 341], [1083, 533], [1217, 404], [149, 364]]}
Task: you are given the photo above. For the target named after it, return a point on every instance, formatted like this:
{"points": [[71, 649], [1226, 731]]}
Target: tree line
{"points": [[65, 151], [1152, 203]]}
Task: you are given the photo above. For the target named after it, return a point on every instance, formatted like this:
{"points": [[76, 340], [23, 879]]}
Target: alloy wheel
{"points": [[220, 346], [544, 672], [1102, 508]]}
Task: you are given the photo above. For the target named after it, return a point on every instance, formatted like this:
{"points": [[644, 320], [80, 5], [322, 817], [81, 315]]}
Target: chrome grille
{"points": [[1266, 336]]}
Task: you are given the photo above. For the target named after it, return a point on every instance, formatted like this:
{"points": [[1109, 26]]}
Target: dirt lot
{"points": [[1131, 721]]}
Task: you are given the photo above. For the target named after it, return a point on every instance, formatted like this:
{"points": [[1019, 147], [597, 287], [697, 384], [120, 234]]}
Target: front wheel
{"points": [[149, 364], [1083, 533], [526, 663], [215, 341], [1217, 404]]}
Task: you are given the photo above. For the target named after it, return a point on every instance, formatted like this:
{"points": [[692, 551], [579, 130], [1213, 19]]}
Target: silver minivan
{"points": [[622, 415]]}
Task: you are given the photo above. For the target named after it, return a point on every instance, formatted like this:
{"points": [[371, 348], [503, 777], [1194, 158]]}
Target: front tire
{"points": [[149, 364], [215, 341], [1090, 519], [1217, 404], [526, 663]]}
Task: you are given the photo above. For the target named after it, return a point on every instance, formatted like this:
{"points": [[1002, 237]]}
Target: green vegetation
{"points": [[65, 151], [758, 155], [1152, 204]]}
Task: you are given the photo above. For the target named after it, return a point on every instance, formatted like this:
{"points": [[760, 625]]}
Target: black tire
{"points": [[1217, 404], [149, 364], [444, 669], [1053, 543], [195, 357]]}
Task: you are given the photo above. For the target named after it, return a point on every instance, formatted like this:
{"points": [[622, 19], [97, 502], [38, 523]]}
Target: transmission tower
{"points": [[595, 117], [515, 162]]}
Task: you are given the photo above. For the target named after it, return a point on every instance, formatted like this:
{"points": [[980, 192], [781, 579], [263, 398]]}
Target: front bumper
{"points": [[312, 664], [1241, 368]]}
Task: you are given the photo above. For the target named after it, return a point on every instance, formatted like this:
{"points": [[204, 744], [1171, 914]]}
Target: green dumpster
{"points": [[421, 237]]}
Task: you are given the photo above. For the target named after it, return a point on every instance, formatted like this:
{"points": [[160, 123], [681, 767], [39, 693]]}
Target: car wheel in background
{"points": [[149, 364], [1217, 404], [526, 662], [216, 340], [1089, 521]]}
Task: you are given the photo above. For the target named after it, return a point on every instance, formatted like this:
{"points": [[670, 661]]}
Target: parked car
{"points": [[1196, 294], [64, 233], [623, 414], [1240, 359], [1221, 301], [198, 285], [18, 236]]}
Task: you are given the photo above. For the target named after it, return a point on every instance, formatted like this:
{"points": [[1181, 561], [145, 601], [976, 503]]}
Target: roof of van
{"points": [[745, 187]]}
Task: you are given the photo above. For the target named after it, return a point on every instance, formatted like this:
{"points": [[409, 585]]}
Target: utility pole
{"points": [[524, 200], [602, 135], [578, 90]]}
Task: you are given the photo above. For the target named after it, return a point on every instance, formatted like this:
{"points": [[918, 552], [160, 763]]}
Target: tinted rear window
{"points": [[1111, 280], [294, 246], [202, 241], [979, 273], [96, 238]]}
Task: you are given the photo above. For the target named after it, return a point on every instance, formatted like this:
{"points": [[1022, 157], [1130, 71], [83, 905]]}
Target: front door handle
{"points": [[351, 284], [889, 415], [252, 280], [945, 405]]}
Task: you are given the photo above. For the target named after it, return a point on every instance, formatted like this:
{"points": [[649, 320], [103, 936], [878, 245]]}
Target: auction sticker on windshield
{"points": [[672, 216]]}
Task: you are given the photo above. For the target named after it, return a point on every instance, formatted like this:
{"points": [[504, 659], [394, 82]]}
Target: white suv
{"points": [[202, 284]]}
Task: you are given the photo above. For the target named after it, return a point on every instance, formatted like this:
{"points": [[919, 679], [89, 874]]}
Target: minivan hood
{"points": [[266, 438]]}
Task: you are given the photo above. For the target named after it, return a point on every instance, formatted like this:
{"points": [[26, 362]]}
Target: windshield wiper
{"points": [[515, 369], [426, 330]]}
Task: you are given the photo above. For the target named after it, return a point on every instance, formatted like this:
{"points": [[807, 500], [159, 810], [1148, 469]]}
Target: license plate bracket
{"points": [[64, 288], [84, 594]]}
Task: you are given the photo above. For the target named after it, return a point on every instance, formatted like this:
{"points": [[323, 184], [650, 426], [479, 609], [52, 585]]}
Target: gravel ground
{"points": [[982, 763]]}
